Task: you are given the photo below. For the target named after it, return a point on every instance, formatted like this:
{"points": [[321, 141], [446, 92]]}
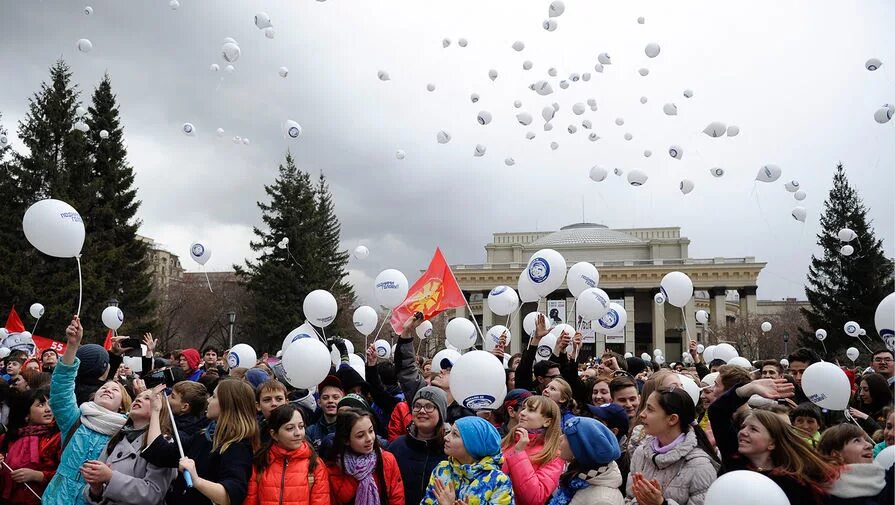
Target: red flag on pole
{"points": [[108, 343], [434, 292], [14, 322]]}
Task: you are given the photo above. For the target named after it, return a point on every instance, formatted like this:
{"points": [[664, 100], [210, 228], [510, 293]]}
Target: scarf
{"points": [[100, 419], [209, 431], [662, 450], [361, 468], [131, 433], [25, 451], [563, 494]]}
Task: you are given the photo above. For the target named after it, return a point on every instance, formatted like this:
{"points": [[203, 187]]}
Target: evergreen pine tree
{"points": [[845, 288], [281, 277], [14, 290]]}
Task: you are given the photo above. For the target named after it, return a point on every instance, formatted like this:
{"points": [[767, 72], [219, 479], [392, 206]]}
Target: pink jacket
{"points": [[532, 484]]}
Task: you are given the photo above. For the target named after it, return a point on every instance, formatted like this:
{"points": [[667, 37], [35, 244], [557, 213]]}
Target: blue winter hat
{"points": [[479, 437], [256, 377], [592, 443]]}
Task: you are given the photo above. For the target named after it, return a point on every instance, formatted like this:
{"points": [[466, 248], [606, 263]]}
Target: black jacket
{"points": [[416, 459]]}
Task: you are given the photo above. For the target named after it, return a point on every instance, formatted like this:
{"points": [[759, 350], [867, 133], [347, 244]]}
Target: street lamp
{"points": [[231, 316], [786, 343]]}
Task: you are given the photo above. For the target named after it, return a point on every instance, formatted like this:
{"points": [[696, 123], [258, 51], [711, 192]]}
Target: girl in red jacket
{"points": [[32, 448], [531, 451], [361, 473], [286, 470]]}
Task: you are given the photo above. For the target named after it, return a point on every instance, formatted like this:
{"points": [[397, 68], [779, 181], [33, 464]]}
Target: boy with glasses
{"points": [[883, 364]]}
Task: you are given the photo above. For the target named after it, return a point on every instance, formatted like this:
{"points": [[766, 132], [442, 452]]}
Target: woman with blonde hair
{"points": [[560, 392], [531, 451], [219, 458]]}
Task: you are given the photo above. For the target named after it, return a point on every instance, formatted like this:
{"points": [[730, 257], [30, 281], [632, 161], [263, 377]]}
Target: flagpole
{"points": [[482, 335]]}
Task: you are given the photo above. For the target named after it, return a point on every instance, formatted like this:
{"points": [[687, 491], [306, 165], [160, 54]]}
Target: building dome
{"points": [[580, 234]]}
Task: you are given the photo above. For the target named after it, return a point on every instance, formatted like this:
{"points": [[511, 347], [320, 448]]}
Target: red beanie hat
{"points": [[192, 358]]}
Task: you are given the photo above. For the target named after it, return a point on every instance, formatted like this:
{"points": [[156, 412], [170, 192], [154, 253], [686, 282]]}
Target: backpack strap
{"points": [[71, 433]]}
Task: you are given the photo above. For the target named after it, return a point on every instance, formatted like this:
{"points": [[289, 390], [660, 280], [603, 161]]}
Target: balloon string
{"points": [[825, 348], [80, 285], [387, 315], [686, 326], [35, 326], [207, 280], [26, 484], [865, 345]]}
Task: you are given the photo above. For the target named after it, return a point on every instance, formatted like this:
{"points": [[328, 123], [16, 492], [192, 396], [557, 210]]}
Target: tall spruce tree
{"points": [[281, 277], [844, 288]]}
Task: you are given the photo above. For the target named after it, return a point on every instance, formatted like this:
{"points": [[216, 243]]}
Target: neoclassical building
{"points": [[631, 263]]}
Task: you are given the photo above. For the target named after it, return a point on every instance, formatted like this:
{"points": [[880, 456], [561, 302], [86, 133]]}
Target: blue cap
{"points": [[613, 416], [592, 443]]}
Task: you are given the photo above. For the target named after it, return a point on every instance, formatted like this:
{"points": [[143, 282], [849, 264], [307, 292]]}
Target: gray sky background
{"points": [[790, 74]]}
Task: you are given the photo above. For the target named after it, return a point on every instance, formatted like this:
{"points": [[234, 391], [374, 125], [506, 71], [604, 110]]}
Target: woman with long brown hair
{"points": [[560, 391], [219, 458], [531, 451], [861, 481], [766, 444]]}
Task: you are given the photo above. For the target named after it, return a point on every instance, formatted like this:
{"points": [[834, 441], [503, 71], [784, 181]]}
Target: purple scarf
{"points": [[662, 450], [361, 468]]}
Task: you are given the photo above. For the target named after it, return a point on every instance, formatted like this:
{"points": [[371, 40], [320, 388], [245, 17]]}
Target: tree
{"points": [[281, 277], [745, 333], [844, 288]]}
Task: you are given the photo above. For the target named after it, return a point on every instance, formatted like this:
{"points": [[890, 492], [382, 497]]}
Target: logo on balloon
{"points": [[890, 342], [387, 285], [74, 216], [294, 132], [428, 333], [591, 283], [544, 351], [300, 336], [819, 397], [187, 128], [120, 315], [478, 402], [497, 291], [538, 270], [850, 329], [609, 320], [233, 360], [381, 352], [197, 250]]}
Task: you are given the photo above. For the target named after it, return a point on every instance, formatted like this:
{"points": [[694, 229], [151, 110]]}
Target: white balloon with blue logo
{"points": [[445, 354], [242, 356], [702, 317], [503, 300], [424, 330], [461, 333], [768, 173], [113, 317], [530, 321], [36, 310], [820, 334], [581, 276], [492, 337], [200, 253], [613, 321], [390, 288], [852, 329], [852, 353], [305, 364], [545, 348], [527, 291], [303, 331], [365, 320], [320, 308], [546, 271], [54, 228], [478, 381], [383, 349], [677, 288], [884, 319], [592, 303]]}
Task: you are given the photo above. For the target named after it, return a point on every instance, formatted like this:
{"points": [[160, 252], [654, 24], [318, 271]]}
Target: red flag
{"points": [[13, 322], [108, 343], [43, 343], [435, 291]]}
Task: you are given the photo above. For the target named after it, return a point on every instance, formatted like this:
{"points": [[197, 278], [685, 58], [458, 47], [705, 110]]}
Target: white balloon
{"points": [[592, 303], [530, 321], [430, 87], [604, 59], [708, 354], [826, 385], [400, 154], [852, 328], [689, 385], [598, 173], [581, 276], [546, 271], [886, 457], [641, 20], [702, 317], [557, 7], [424, 330], [478, 381], [383, 75], [616, 317], [112, 317], [527, 292], [230, 52], [262, 20], [618, 171], [461, 333], [740, 362], [303, 331], [643, 71], [799, 214], [517, 103], [657, 352], [593, 137], [677, 288], [852, 354], [4, 141], [542, 88], [659, 299], [306, 363], [320, 308], [527, 65], [725, 352], [545, 348], [335, 356], [717, 171], [643, 99], [492, 74], [269, 32], [242, 356], [85, 45], [291, 130], [474, 97], [445, 354], [390, 288], [509, 162], [36, 310], [229, 69], [479, 150], [715, 129], [443, 137], [700, 348], [792, 186], [745, 487], [628, 136], [586, 124], [174, 5], [524, 118], [484, 117], [283, 72], [686, 186], [846, 250], [383, 349], [652, 49], [768, 173], [578, 109], [646, 357], [872, 64], [637, 177], [799, 195], [88, 10], [503, 300], [846, 235], [82, 127], [765, 327], [462, 42], [200, 253], [733, 131], [54, 228], [492, 337], [669, 109], [365, 320], [518, 45], [620, 121], [676, 152], [361, 252], [883, 115], [103, 134], [821, 334], [688, 93], [884, 318]]}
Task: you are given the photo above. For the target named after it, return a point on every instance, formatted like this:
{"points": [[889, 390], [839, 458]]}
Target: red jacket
{"points": [[343, 487], [50, 453], [400, 419], [286, 481]]}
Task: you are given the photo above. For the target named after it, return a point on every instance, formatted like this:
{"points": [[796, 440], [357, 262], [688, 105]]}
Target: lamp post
{"points": [[786, 343], [231, 316]]}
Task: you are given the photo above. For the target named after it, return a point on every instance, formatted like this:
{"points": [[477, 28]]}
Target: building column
{"points": [[718, 319], [658, 324], [748, 301], [629, 325]]}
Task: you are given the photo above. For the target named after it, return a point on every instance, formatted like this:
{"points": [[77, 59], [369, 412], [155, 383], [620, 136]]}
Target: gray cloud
{"points": [[782, 73]]}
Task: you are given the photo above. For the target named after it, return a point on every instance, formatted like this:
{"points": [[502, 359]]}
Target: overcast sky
{"points": [[790, 74]]}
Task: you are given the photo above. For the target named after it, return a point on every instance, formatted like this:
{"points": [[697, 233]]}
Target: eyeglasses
{"points": [[551, 377], [427, 409], [882, 360]]}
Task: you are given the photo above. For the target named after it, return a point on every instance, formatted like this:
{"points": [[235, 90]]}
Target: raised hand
{"points": [[372, 357], [150, 344], [541, 329], [74, 332], [773, 389]]}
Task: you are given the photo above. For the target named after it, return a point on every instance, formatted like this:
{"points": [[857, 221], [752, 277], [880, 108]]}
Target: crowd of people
{"points": [[83, 428]]}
